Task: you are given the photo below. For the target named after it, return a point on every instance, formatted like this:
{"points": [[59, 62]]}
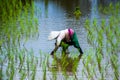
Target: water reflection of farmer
{"points": [[77, 13], [67, 65]]}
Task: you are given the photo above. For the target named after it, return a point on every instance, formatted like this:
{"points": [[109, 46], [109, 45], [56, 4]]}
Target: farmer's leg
{"points": [[55, 49], [76, 43], [57, 44], [80, 50]]}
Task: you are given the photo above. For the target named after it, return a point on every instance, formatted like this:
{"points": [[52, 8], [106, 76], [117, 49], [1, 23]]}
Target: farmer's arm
{"points": [[55, 49], [58, 41], [60, 38]]}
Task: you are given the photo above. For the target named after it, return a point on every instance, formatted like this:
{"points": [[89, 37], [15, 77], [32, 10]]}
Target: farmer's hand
{"points": [[52, 53]]}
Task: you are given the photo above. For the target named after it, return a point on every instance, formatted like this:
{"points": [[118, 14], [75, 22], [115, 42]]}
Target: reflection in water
{"points": [[46, 8], [55, 7], [107, 2], [65, 64], [69, 6], [94, 9]]}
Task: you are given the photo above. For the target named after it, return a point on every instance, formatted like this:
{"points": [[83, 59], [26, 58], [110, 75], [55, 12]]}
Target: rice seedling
{"points": [[1, 67], [34, 66], [41, 58], [115, 66], [28, 65], [15, 30], [88, 69], [67, 65], [11, 68], [111, 9], [23, 74], [44, 67], [104, 40]]}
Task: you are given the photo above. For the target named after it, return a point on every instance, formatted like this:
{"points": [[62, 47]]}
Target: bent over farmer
{"points": [[67, 36]]}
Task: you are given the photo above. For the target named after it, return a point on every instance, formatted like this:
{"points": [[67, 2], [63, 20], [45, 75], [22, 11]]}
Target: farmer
{"points": [[65, 38]]}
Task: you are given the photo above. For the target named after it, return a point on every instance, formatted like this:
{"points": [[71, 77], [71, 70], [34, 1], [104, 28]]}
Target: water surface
{"points": [[58, 15]]}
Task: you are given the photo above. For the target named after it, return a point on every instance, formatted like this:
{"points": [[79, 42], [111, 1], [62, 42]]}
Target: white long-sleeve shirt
{"points": [[64, 34]]}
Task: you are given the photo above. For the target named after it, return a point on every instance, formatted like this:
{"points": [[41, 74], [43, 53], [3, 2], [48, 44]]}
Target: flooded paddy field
{"points": [[25, 49]]}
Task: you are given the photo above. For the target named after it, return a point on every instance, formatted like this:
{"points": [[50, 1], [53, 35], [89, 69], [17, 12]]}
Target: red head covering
{"points": [[71, 32]]}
